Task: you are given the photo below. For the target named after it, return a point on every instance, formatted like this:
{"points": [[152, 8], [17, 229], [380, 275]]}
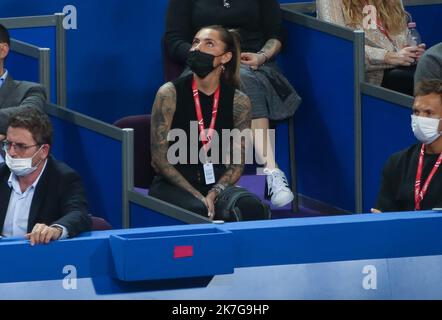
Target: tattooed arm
{"points": [[254, 60], [162, 116], [242, 121], [271, 48]]}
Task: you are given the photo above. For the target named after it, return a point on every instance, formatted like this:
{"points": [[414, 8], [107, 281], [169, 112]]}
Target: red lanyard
{"points": [[384, 31], [206, 140], [419, 193]]}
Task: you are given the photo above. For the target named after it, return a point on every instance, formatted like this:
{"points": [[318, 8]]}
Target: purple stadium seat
{"points": [[99, 224], [143, 171]]}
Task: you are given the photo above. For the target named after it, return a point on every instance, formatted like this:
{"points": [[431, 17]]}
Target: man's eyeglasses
{"points": [[18, 147]]}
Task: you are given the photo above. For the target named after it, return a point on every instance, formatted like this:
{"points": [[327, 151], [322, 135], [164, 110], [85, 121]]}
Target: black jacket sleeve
{"points": [[179, 33], [73, 205]]}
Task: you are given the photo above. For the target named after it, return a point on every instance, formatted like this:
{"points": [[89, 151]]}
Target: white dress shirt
{"points": [[3, 78]]}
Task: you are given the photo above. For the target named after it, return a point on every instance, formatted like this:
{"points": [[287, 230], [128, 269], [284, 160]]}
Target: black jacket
{"points": [[399, 178], [59, 198]]}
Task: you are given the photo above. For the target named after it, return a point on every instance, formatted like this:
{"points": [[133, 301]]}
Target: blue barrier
{"points": [[337, 256], [146, 211], [23, 67], [197, 253], [30, 63], [429, 22], [141, 216], [102, 76], [386, 129], [325, 123], [95, 151], [44, 38]]}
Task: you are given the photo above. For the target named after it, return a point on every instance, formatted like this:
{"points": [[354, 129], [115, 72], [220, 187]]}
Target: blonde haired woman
{"points": [[389, 59]]}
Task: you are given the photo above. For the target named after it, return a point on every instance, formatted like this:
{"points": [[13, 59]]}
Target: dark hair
{"points": [[427, 87], [35, 121], [4, 35], [231, 39]]}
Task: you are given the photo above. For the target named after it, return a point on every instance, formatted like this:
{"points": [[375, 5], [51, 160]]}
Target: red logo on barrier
{"points": [[181, 252]]}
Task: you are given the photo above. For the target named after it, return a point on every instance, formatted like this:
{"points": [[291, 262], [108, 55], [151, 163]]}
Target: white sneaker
{"points": [[277, 188]]}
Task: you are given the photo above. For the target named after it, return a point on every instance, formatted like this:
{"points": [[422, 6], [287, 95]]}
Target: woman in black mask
{"points": [[207, 98], [259, 25]]}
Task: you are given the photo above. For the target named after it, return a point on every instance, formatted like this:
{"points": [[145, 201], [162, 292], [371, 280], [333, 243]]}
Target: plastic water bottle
{"points": [[414, 38]]}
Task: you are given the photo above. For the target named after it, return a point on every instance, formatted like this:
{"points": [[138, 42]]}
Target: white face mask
{"points": [[425, 129], [21, 166]]}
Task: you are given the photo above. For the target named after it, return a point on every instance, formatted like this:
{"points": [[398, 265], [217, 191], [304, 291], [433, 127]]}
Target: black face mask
{"points": [[201, 63]]}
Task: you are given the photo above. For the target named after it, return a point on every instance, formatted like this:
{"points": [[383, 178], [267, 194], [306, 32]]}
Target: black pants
{"points": [[163, 190], [400, 79]]}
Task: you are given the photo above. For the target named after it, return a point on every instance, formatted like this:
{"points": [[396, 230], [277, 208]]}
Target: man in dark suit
{"points": [[40, 197], [15, 94]]}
